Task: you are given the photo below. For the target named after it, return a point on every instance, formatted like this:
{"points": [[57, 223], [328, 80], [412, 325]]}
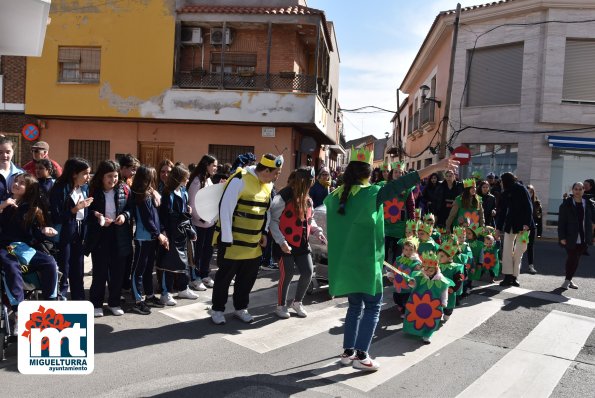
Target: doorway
{"points": [[151, 153]]}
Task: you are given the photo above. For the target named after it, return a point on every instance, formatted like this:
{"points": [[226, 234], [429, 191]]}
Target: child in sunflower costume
{"points": [[429, 218], [410, 234], [491, 262], [451, 270], [475, 240], [463, 256], [397, 210], [426, 243], [408, 262], [429, 296]]}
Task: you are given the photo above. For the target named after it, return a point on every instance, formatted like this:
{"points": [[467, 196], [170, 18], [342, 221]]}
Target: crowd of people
{"points": [[428, 233]]}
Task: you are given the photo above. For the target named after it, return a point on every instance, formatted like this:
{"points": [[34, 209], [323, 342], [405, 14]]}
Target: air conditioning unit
{"points": [[217, 36], [191, 35]]}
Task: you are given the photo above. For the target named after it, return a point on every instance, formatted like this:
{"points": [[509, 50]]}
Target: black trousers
{"points": [[574, 255], [108, 268], [530, 246], [245, 272]]}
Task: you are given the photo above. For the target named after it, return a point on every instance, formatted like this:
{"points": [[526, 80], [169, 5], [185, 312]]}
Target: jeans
{"points": [[361, 320]]}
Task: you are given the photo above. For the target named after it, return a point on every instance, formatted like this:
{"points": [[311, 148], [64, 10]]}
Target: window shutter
{"points": [[579, 71], [90, 59], [69, 54], [495, 76]]}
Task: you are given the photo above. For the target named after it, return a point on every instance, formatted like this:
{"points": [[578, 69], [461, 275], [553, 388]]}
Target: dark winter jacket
{"points": [[61, 205], [489, 203], [568, 226], [95, 232], [515, 210]]}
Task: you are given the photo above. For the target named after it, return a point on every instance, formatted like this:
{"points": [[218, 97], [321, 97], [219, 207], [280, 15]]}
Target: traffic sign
{"points": [[462, 154], [30, 132]]}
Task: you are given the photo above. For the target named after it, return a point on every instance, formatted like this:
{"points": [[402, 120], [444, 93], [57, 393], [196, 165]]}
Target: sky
{"points": [[378, 40]]}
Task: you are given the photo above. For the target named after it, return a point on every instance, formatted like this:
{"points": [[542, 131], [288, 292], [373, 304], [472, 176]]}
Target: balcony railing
{"points": [[232, 81], [427, 113]]}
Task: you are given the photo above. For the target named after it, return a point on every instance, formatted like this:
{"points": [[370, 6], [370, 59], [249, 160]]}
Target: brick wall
{"points": [[13, 72], [11, 124], [284, 49]]}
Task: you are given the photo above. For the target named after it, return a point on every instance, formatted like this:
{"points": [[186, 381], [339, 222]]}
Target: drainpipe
{"points": [[270, 36], [399, 147], [445, 118], [222, 74]]}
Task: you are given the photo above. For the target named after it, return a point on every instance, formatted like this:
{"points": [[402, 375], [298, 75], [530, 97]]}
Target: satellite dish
{"points": [[308, 145]]}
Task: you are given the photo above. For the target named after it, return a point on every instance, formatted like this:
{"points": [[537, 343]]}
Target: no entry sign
{"points": [[462, 154]]}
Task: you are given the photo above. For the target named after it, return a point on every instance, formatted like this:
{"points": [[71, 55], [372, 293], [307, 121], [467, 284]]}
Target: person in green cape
{"points": [[407, 262], [429, 296], [490, 255], [451, 270], [464, 256], [397, 210], [426, 243], [355, 233], [466, 206]]}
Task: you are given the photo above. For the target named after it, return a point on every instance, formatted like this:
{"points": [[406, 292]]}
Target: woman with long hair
{"points": [[466, 206], [292, 223], [355, 231], [514, 217], [576, 218], [203, 245], [147, 236], [431, 195], [109, 239], [24, 220], [69, 202], [589, 185], [175, 216], [535, 232], [163, 169]]}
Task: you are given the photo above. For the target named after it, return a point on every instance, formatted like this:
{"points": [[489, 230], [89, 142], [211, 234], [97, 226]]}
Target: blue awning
{"points": [[558, 141]]}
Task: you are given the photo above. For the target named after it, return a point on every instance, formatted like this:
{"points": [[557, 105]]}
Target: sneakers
{"points": [[572, 285], [299, 309], [282, 312], [367, 363], [217, 317], [208, 282], [188, 294], [198, 285], [565, 284], [141, 308], [117, 311], [153, 301], [167, 299], [98, 312], [347, 357], [532, 269], [244, 316], [445, 318], [426, 340]]}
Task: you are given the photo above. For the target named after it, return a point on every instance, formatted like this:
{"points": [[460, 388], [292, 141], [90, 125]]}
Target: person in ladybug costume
{"points": [[291, 225]]}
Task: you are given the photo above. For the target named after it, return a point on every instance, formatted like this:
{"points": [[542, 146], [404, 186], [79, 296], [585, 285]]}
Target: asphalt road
{"points": [[509, 342]]}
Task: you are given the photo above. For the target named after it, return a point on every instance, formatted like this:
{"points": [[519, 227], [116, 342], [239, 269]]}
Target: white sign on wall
{"points": [[268, 132]]}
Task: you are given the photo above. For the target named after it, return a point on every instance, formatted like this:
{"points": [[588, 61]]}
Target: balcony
{"points": [[427, 113], [286, 82]]}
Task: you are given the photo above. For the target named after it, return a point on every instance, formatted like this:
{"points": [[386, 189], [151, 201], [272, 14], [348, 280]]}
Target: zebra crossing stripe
{"points": [[397, 353], [555, 298], [535, 367]]}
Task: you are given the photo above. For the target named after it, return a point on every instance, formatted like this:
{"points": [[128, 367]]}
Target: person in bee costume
{"points": [[240, 234]]}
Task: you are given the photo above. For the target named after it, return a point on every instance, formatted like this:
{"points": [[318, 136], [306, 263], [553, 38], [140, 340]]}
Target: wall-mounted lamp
{"points": [[424, 96], [386, 134]]}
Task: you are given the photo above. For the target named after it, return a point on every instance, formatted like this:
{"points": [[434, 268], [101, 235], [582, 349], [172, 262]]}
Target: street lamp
{"points": [[424, 96]]}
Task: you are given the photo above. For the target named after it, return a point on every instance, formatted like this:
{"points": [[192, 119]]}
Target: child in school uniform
{"points": [[429, 296], [175, 216], [69, 203], [23, 227], [145, 200], [407, 263], [426, 243], [109, 239], [451, 270]]}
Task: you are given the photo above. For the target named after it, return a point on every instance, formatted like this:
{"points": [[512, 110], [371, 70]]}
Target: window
{"points": [[579, 71], [16, 147], [491, 158], [233, 62], [92, 150], [495, 75], [79, 64], [228, 153]]}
